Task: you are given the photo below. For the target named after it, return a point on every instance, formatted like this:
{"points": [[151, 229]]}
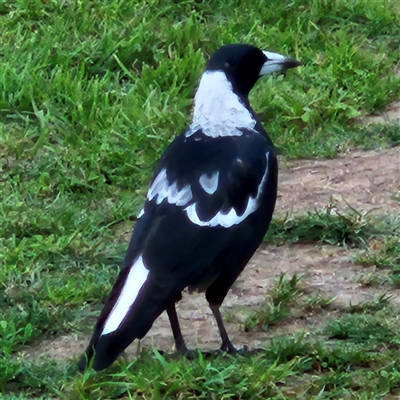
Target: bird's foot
{"points": [[193, 353], [228, 347]]}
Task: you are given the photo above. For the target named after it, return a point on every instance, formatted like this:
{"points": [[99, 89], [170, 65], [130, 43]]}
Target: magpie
{"points": [[208, 207]]}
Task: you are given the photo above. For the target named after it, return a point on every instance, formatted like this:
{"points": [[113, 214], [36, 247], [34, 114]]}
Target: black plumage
{"points": [[208, 208]]}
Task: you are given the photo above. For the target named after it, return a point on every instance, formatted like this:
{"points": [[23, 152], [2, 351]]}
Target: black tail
{"points": [[107, 343], [106, 348]]}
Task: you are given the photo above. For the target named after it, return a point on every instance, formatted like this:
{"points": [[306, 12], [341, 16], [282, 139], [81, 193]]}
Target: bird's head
{"points": [[244, 64], [221, 104]]}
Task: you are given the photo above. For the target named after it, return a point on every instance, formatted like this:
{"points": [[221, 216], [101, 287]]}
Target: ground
{"points": [[366, 180]]}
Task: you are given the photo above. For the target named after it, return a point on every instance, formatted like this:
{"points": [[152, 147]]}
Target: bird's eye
{"points": [[226, 64]]}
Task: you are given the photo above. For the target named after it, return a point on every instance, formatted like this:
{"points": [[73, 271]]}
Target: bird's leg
{"points": [[176, 330], [226, 343]]}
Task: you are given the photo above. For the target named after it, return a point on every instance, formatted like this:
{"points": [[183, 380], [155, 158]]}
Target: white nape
{"points": [[273, 64], [226, 220], [134, 282], [209, 183], [161, 189], [218, 111]]}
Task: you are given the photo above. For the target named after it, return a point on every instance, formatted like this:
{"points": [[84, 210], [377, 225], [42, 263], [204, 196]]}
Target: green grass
{"points": [[351, 228], [277, 308], [385, 257], [355, 357], [90, 95]]}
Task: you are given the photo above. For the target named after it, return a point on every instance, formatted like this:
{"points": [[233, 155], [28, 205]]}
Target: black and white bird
{"points": [[208, 207]]}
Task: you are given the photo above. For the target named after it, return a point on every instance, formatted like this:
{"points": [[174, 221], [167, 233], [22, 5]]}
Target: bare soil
{"points": [[366, 180], [369, 181]]}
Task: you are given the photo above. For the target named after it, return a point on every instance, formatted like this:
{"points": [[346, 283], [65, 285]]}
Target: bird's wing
{"points": [[197, 186]]}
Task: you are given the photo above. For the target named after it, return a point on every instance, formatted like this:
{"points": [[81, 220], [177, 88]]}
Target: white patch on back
{"points": [[230, 218], [134, 282], [209, 184], [218, 111], [161, 189]]}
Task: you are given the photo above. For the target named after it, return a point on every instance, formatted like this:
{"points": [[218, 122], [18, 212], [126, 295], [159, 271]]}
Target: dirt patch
{"points": [[328, 271], [365, 180]]}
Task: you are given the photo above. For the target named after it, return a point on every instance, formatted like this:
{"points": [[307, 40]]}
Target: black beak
{"points": [[290, 63]]}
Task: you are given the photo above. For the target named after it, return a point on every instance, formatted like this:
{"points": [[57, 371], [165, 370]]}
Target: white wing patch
{"points": [[134, 282], [141, 213], [161, 190], [218, 111], [221, 219], [230, 218], [209, 184], [159, 186]]}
